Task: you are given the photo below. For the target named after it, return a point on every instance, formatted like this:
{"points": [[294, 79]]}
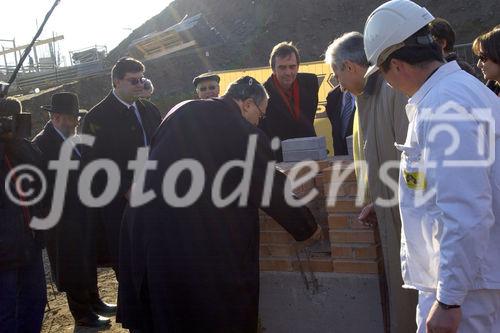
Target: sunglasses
{"points": [[209, 88], [135, 81]]}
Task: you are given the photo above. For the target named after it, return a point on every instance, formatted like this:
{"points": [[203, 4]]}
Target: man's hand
{"points": [[443, 321], [368, 216]]}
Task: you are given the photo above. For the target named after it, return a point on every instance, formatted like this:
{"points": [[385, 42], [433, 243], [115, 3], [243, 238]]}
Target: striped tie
{"points": [[347, 111]]}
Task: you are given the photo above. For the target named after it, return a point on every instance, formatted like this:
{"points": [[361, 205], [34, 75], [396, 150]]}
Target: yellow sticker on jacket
{"points": [[415, 180]]}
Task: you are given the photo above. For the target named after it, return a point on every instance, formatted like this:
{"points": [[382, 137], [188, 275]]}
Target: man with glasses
{"points": [[207, 85], [121, 123]]}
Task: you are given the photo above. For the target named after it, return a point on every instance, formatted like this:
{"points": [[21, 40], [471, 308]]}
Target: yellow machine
{"points": [[322, 71]]}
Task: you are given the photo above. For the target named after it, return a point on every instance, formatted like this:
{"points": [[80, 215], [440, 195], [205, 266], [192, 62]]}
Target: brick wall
{"points": [[348, 246]]}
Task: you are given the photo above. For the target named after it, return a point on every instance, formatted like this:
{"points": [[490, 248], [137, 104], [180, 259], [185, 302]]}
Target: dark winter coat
{"points": [[68, 243], [118, 135], [196, 269]]}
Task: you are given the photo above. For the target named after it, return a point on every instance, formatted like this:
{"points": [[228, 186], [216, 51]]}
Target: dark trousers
{"points": [[80, 302], [23, 295]]}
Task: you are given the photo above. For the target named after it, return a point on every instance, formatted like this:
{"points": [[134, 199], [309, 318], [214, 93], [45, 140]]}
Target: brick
{"points": [[346, 189], [275, 237], [277, 265], [339, 252], [338, 221], [333, 173], [351, 266], [314, 264], [340, 236], [276, 250], [368, 252], [358, 225], [343, 206], [270, 225]]}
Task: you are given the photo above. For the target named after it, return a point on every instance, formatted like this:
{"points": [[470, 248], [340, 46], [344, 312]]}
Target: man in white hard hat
{"points": [[449, 181]]}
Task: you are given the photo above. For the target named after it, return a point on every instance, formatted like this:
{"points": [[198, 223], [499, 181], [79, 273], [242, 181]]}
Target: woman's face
{"points": [[490, 69]]}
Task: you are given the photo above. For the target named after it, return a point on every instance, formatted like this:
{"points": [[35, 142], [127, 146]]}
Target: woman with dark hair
{"points": [[487, 48]]}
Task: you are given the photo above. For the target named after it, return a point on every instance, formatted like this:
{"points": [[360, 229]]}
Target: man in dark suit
{"points": [[194, 267], [340, 107], [293, 96], [68, 243], [121, 123]]}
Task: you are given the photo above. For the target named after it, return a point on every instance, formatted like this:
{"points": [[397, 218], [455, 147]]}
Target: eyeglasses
{"points": [[262, 115], [135, 81], [209, 88]]}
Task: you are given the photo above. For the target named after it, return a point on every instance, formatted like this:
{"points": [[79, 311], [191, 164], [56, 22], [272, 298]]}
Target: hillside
{"points": [[250, 28]]}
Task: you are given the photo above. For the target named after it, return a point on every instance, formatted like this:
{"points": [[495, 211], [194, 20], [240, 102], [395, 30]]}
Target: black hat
{"points": [[206, 77], [65, 103]]}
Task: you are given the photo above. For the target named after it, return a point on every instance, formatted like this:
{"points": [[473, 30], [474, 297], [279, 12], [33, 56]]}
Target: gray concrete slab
{"points": [[343, 303]]}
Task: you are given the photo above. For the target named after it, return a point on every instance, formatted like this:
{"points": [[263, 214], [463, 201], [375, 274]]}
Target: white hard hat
{"points": [[388, 26]]}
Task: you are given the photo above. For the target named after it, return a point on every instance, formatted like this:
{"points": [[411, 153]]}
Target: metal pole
{"points": [[28, 49]]}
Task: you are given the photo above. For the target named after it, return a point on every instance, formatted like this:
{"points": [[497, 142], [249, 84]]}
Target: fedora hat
{"points": [[65, 103]]}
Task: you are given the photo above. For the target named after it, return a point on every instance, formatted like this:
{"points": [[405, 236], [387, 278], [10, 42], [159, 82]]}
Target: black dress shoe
{"points": [[103, 309], [93, 321]]}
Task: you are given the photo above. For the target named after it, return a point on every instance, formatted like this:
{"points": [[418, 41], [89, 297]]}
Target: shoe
{"points": [[93, 321], [104, 309]]}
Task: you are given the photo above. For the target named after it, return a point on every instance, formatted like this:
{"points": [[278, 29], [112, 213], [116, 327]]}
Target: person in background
{"points": [[444, 35], [293, 96], [23, 293], [379, 122], [207, 85], [487, 48]]}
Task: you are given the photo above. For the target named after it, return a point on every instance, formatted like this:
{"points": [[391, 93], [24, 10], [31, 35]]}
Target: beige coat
{"points": [[382, 121]]}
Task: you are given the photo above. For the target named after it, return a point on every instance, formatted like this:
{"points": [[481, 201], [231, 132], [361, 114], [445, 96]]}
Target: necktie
{"points": [[347, 111], [138, 116]]}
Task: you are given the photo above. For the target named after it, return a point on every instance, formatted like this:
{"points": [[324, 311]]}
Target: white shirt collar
{"points": [[442, 72], [59, 132], [123, 102]]}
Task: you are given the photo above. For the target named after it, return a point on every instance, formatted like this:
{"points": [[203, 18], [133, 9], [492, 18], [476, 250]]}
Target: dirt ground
{"points": [[57, 315]]}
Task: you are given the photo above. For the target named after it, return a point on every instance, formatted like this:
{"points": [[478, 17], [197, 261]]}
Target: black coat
{"points": [[68, 243], [334, 110], [118, 135], [196, 269], [279, 122], [18, 243]]}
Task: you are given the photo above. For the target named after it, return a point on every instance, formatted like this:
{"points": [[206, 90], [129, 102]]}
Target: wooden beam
{"points": [[38, 42]]}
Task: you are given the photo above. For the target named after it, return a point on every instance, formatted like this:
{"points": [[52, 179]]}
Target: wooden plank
{"points": [[38, 42]]}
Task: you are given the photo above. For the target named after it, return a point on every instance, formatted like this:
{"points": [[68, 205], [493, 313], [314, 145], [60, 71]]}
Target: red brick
{"points": [[351, 266], [278, 265], [342, 252], [343, 206], [338, 236], [358, 225], [276, 250], [276, 237], [315, 265], [368, 252], [346, 189], [336, 171], [338, 221], [270, 225]]}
